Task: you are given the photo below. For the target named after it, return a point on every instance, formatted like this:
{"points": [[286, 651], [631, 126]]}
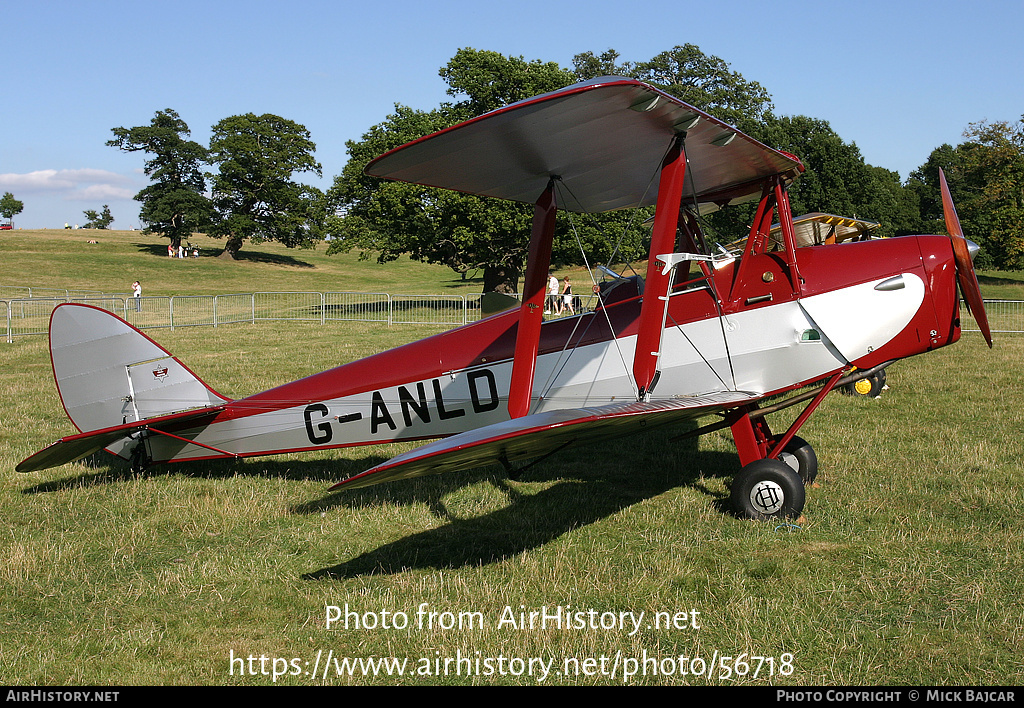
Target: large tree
{"points": [[986, 178], [991, 180], [254, 191], [702, 80], [175, 203], [10, 207], [464, 232]]}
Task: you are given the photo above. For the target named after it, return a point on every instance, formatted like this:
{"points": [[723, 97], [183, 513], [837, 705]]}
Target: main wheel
{"points": [[768, 489], [800, 456]]}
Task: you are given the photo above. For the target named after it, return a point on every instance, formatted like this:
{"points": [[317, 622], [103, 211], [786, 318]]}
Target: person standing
{"points": [[551, 304], [137, 294], [566, 301]]}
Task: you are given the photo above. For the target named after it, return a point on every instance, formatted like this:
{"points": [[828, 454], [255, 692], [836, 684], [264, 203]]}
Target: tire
{"points": [[800, 456], [768, 489], [870, 386]]}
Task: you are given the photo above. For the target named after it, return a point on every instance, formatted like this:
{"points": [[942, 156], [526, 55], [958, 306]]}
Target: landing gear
{"points": [[140, 459], [799, 455], [771, 483], [768, 489], [870, 386]]}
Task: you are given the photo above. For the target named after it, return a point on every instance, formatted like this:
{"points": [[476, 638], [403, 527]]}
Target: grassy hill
{"points": [[66, 259]]}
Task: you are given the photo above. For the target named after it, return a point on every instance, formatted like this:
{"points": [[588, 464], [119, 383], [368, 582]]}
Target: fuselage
{"points": [[855, 304]]}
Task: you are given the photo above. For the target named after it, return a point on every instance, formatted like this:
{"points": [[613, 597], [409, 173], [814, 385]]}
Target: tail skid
{"points": [[113, 381]]}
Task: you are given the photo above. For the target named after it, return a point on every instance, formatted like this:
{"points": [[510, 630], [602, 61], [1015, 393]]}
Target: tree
{"points": [[924, 183], [488, 80], [991, 189], [986, 178], [463, 232], [702, 80], [10, 207], [175, 204], [254, 194], [98, 220]]}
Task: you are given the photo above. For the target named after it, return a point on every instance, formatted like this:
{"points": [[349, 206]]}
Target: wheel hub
{"points": [[767, 497]]}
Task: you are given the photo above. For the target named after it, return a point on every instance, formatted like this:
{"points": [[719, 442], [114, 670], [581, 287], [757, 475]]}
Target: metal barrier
{"points": [[1004, 316], [31, 315]]}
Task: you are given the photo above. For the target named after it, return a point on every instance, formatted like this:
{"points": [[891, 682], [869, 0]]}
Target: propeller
{"points": [[966, 278]]}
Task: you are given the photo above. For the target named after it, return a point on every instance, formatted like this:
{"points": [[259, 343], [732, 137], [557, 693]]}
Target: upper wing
{"points": [[604, 139], [541, 433]]}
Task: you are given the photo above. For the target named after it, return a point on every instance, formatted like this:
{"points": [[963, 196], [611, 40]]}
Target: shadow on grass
{"points": [[160, 249], [589, 484], [585, 485], [997, 280], [111, 470]]}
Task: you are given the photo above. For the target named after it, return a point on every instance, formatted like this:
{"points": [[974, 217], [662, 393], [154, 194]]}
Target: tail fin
{"points": [[108, 373]]}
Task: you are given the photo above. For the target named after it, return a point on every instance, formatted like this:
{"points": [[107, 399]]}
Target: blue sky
{"points": [[897, 78]]}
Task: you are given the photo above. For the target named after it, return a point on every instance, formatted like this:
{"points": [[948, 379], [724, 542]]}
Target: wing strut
{"points": [[656, 284], [531, 312]]}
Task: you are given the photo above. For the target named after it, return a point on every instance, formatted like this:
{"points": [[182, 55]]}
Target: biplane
{"points": [[701, 335]]}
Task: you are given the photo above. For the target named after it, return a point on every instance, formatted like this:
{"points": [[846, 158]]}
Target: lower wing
{"points": [[543, 433]]}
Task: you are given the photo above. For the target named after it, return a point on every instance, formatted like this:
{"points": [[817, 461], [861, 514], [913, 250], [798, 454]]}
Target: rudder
{"points": [[108, 373]]}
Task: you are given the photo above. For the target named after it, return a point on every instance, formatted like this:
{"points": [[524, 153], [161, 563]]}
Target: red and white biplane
{"points": [[700, 335]]}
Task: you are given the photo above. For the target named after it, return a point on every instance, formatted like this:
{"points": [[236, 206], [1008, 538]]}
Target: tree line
{"points": [[253, 195]]}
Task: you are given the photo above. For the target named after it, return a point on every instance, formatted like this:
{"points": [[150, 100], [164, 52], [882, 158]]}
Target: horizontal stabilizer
{"points": [[75, 447], [542, 433]]}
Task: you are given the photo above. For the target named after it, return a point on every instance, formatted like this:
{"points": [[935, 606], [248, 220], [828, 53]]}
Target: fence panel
{"points": [[192, 310], [357, 307], [14, 292], [307, 307], [428, 309], [1006, 316], [151, 313], [229, 309]]}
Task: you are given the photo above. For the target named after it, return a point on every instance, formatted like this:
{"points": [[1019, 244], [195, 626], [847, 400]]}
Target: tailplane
{"points": [[113, 378]]}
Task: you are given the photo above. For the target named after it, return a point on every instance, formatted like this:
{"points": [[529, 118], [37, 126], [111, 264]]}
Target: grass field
{"points": [[905, 570]]}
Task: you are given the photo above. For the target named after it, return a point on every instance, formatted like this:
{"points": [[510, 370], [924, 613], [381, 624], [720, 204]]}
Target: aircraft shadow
{"points": [[111, 470], [591, 487], [590, 483]]}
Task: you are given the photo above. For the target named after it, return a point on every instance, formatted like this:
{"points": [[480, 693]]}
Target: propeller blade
{"points": [[965, 275]]}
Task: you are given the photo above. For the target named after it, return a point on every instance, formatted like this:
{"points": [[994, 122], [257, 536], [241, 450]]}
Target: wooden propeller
{"points": [[966, 278]]}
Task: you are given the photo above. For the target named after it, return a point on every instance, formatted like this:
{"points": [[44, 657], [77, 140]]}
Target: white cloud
{"points": [[88, 184]]}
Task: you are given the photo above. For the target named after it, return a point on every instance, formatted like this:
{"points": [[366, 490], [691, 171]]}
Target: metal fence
{"points": [[29, 313]]}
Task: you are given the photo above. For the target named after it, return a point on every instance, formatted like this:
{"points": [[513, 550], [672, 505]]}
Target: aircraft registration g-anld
{"points": [[700, 335]]}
